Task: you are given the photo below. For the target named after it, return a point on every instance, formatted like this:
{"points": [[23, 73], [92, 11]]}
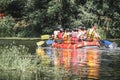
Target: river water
{"points": [[87, 63], [91, 63]]}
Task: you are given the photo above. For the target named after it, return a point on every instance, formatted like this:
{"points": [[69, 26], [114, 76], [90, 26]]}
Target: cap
{"points": [[61, 29]]}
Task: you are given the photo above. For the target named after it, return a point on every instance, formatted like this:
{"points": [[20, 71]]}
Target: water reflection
{"points": [[70, 64], [82, 63], [85, 63]]}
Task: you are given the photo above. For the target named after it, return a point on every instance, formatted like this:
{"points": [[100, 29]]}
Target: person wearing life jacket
{"points": [[74, 36], [92, 34], [82, 33], [55, 33], [79, 33], [66, 36], [60, 36], [84, 36]]}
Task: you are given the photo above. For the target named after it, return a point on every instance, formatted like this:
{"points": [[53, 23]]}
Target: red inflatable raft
{"points": [[75, 46]]}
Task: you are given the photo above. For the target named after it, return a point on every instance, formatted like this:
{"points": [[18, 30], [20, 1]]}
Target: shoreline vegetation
{"points": [[17, 59], [30, 18], [19, 38]]}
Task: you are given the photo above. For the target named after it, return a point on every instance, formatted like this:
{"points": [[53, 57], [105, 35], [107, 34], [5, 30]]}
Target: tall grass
{"points": [[16, 63], [16, 58]]}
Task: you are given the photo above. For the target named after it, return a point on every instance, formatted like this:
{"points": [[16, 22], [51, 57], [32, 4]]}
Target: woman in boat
{"points": [[74, 37]]}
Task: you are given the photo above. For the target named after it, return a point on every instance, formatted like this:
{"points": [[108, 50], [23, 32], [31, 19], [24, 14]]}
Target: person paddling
{"points": [[92, 34]]}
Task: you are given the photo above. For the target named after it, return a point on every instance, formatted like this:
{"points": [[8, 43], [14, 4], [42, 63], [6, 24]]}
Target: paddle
{"points": [[105, 43], [108, 44], [44, 37], [49, 41], [40, 43]]}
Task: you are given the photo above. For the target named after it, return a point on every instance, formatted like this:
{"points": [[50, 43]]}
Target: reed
{"points": [[16, 58], [18, 61]]}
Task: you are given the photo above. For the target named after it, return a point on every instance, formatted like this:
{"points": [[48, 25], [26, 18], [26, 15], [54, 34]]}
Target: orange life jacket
{"points": [[66, 38]]}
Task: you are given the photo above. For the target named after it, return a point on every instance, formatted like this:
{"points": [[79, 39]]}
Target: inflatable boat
{"points": [[76, 45]]}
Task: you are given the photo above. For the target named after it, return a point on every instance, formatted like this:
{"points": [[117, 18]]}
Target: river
{"points": [[90, 63]]}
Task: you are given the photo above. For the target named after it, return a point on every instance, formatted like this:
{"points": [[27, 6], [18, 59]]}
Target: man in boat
{"points": [[92, 34], [66, 36]]}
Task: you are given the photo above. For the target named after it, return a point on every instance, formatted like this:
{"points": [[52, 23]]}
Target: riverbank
{"points": [[18, 38]]}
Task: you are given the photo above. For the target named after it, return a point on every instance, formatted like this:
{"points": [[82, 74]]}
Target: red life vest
{"points": [[60, 35]]}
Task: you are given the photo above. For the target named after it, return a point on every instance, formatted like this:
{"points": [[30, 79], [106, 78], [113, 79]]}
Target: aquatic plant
{"points": [[16, 58]]}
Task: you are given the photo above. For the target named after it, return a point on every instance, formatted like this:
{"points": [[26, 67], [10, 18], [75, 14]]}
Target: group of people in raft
{"points": [[76, 36]]}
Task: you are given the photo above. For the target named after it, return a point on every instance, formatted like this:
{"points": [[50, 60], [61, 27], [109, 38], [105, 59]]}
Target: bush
{"points": [[15, 57], [6, 27]]}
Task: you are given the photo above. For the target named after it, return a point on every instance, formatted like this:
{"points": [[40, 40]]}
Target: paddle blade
{"points": [[40, 43], [49, 42], [105, 43], [45, 36]]}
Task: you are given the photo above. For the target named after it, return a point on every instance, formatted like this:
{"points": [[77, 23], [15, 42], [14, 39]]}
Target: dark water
{"points": [[31, 44], [80, 64]]}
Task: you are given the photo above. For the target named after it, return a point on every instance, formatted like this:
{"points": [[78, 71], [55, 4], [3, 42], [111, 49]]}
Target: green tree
{"points": [[6, 27], [4, 4], [36, 17]]}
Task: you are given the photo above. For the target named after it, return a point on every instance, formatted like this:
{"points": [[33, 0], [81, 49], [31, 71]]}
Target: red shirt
{"points": [[60, 35]]}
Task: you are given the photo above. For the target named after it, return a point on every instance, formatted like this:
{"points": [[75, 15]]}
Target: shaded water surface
{"points": [[90, 63], [31, 44]]}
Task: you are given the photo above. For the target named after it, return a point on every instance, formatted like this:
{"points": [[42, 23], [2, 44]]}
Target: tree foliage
{"points": [[6, 27], [37, 17]]}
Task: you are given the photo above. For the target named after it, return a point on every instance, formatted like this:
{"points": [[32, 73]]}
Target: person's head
{"points": [[79, 28], [84, 28], [67, 29], [61, 29], [75, 29], [94, 27]]}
